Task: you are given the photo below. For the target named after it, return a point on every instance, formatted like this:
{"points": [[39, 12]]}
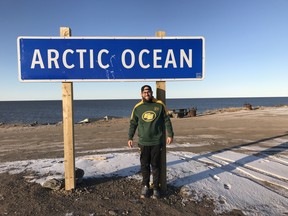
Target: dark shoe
{"points": [[144, 192], [156, 194]]}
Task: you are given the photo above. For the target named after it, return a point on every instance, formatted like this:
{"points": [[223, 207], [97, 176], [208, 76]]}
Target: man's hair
{"points": [[146, 86]]}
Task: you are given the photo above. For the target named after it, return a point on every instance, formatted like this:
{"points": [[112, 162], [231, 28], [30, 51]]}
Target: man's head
{"points": [[146, 93]]}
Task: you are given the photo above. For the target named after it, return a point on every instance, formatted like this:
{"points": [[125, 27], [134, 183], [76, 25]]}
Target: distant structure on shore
{"points": [[181, 113]]}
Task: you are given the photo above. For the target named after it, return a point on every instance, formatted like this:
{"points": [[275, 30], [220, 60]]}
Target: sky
{"points": [[246, 43]]}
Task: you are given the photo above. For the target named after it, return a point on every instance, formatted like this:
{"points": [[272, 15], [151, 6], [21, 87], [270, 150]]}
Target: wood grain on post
{"points": [[161, 95], [68, 126]]}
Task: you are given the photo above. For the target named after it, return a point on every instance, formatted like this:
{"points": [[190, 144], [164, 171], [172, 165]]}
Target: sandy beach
{"points": [[262, 132]]}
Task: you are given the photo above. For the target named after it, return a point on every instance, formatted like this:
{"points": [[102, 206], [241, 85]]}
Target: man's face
{"points": [[146, 94]]}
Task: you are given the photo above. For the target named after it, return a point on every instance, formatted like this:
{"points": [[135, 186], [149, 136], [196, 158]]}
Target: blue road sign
{"points": [[110, 58]]}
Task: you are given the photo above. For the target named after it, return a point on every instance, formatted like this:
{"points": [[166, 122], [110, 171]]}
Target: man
{"points": [[150, 116]]}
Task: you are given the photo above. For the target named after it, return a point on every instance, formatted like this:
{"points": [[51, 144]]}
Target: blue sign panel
{"points": [[110, 59]]}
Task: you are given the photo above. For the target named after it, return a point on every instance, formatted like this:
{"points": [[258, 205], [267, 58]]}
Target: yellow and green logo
{"points": [[148, 116]]}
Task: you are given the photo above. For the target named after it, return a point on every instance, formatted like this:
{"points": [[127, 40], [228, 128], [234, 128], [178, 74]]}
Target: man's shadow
{"points": [[229, 167]]}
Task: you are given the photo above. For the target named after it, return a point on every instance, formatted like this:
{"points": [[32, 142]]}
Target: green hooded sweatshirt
{"points": [[152, 121]]}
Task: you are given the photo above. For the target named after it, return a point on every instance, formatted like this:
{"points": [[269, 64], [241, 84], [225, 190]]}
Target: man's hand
{"points": [[169, 140], [130, 143]]}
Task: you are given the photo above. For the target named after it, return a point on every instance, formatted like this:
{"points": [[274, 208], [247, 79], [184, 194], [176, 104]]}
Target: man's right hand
{"points": [[130, 143]]}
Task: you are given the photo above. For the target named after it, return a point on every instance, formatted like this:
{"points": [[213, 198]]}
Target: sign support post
{"points": [[161, 95], [68, 126]]}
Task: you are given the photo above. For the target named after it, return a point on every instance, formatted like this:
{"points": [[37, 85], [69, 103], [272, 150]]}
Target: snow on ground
{"points": [[255, 184]]}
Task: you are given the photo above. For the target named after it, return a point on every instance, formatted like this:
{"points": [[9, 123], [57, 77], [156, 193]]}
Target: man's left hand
{"points": [[169, 140]]}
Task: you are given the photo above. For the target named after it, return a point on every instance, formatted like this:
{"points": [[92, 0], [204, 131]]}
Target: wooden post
{"points": [[161, 95], [68, 127]]}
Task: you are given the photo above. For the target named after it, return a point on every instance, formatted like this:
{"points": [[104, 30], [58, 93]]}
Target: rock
{"points": [[57, 184], [107, 118], [112, 212], [79, 173], [215, 177], [34, 123], [59, 123], [87, 120], [227, 186], [222, 199], [185, 192], [29, 177], [54, 184]]}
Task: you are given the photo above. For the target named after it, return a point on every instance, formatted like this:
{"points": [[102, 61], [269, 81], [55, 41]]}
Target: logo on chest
{"points": [[148, 116]]}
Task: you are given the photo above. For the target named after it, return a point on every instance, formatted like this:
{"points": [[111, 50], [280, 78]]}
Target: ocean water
{"points": [[44, 112]]}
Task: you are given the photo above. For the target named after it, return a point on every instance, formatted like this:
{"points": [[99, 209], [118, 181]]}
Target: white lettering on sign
{"points": [[64, 59], [188, 59], [91, 58], [156, 58], [99, 59], [132, 55], [142, 65], [81, 58], [37, 59], [53, 56], [170, 59]]}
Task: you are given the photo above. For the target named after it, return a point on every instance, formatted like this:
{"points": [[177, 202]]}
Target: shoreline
{"points": [[108, 118], [50, 112]]}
